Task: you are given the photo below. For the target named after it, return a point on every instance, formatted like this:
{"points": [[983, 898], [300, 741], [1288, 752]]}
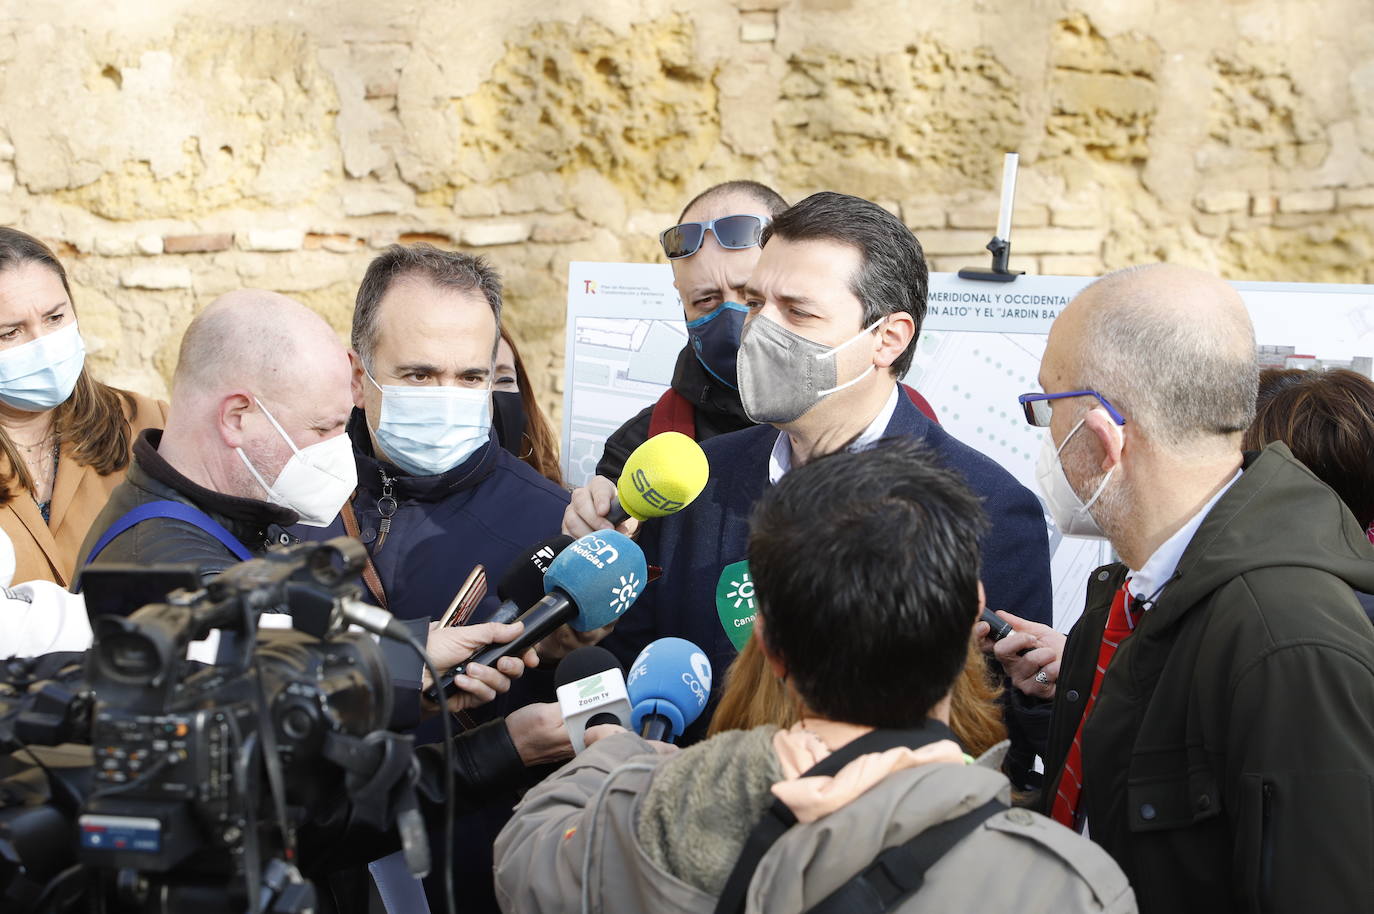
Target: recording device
{"points": [[661, 477], [591, 691], [466, 599], [522, 585], [588, 586], [669, 684], [199, 781], [998, 627]]}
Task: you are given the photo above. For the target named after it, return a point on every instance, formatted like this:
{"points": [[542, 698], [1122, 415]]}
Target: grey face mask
{"points": [[782, 375]]}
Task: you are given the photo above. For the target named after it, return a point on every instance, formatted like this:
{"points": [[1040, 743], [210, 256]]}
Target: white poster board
{"points": [[980, 347]]}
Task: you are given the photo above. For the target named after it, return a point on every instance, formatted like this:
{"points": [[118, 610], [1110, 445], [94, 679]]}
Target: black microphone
{"points": [[999, 628], [522, 585], [588, 586], [591, 691]]}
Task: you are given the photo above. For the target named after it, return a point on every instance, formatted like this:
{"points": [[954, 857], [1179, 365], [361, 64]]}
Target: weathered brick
{"points": [[1075, 216], [197, 244], [923, 216], [1355, 197], [338, 244], [758, 26], [371, 201], [1056, 241], [1308, 201], [6, 152], [1213, 225], [1223, 201], [156, 277], [936, 242], [975, 216], [284, 239], [1262, 205], [149, 244], [493, 233], [1070, 265]]}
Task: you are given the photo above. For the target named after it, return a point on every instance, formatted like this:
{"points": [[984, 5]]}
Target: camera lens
{"points": [[129, 655]]}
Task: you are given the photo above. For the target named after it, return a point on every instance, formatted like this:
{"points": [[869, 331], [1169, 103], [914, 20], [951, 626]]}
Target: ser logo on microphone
{"points": [[653, 496]]}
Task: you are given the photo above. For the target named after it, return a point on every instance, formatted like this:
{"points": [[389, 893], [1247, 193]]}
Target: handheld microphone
{"points": [[591, 691], [998, 628], [522, 585], [661, 477], [589, 585], [669, 684]]}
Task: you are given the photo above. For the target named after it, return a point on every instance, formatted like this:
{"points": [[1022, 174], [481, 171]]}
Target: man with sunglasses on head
{"points": [[712, 250], [835, 304], [1211, 711]]}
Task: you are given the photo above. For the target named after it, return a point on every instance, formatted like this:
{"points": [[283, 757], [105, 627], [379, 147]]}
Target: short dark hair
{"points": [[771, 200], [1327, 420], [866, 573], [893, 277], [447, 269]]}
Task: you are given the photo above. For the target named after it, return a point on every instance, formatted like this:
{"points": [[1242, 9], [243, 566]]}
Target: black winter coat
{"points": [[1229, 760]]}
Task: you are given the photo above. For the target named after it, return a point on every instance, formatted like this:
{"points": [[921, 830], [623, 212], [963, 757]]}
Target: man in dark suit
{"points": [[836, 304]]}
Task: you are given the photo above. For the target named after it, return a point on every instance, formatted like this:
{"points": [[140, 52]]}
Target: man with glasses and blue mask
{"points": [[836, 302], [1211, 723]]}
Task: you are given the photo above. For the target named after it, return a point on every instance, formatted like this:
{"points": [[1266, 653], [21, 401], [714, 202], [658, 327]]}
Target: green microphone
{"points": [[735, 603]]}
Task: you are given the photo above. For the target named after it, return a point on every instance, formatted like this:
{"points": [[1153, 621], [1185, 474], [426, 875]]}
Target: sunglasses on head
{"points": [[734, 233]]}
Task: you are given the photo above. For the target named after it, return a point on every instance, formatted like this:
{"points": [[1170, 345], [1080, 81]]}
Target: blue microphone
{"points": [[669, 684], [588, 585]]}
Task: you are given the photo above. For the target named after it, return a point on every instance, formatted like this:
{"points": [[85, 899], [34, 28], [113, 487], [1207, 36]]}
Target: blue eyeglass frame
{"points": [[1037, 409]]}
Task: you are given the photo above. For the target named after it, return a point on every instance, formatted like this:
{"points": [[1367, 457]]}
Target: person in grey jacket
{"points": [[866, 573]]}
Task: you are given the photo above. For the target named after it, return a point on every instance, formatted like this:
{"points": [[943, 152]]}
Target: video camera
{"points": [[205, 787]]}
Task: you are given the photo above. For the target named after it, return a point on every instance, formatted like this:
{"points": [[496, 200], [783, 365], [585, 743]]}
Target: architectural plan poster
{"points": [[979, 348]]}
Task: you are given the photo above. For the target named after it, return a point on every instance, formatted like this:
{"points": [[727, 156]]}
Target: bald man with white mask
{"points": [[255, 443], [1211, 722]]}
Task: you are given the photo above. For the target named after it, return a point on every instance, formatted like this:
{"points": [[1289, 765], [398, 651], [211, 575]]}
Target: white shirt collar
{"points": [[1160, 566], [780, 461]]}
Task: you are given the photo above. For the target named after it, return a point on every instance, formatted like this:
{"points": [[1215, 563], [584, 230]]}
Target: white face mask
{"points": [[1071, 515], [315, 482], [430, 430], [42, 373]]}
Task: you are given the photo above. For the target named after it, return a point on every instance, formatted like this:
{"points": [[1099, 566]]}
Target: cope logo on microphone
{"points": [[595, 550], [653, 496]]}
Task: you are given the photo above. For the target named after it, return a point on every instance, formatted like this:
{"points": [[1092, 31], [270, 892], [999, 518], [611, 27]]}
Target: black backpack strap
{"points": [[777, 818], [899, 872]]}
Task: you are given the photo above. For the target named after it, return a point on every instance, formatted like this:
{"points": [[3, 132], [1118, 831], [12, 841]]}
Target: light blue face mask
{"points": [[430, 430], [42, 373]]}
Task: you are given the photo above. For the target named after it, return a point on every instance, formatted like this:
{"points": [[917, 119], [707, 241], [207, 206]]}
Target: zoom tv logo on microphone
{"points": [[592, 690], [653, 496]]}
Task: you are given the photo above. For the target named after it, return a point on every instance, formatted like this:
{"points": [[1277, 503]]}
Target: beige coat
{"points": [[48, 552], [621, 829]]}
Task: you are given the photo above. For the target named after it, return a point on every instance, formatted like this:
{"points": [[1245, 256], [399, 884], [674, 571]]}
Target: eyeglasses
{"points": [[734, 233], [1037, 406]]}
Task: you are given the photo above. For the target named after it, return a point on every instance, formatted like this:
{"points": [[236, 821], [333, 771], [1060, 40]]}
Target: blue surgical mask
{"points": [[430, 430], [715, 340], [42, 373]]}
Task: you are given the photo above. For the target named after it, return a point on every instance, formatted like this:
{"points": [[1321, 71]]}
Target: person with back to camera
{"points": [[65, 438], [862, 562]]}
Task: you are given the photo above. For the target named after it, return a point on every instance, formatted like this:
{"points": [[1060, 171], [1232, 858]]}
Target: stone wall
{"points": [[172, 153]]}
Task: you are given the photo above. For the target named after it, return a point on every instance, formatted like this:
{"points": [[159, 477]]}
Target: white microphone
{"points": [[591, 691]]}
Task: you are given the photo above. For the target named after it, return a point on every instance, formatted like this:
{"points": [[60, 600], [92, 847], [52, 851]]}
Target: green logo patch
{"points": [[735, 602]]}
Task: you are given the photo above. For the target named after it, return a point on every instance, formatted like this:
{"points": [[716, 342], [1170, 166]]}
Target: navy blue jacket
{"points": [[694, 545], [488, 510]]}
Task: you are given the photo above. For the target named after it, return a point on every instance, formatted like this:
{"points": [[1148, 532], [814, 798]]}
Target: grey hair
{"points": [[446, 269], [1184, 382]]}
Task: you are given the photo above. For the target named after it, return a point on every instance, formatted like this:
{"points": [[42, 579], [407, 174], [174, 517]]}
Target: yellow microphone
{"points": [[661, 477]]}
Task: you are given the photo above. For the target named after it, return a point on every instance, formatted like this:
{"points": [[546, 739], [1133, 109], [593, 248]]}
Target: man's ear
{"points": [[1109, 436], [359, 379], [894, 336], [230, 418]]}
